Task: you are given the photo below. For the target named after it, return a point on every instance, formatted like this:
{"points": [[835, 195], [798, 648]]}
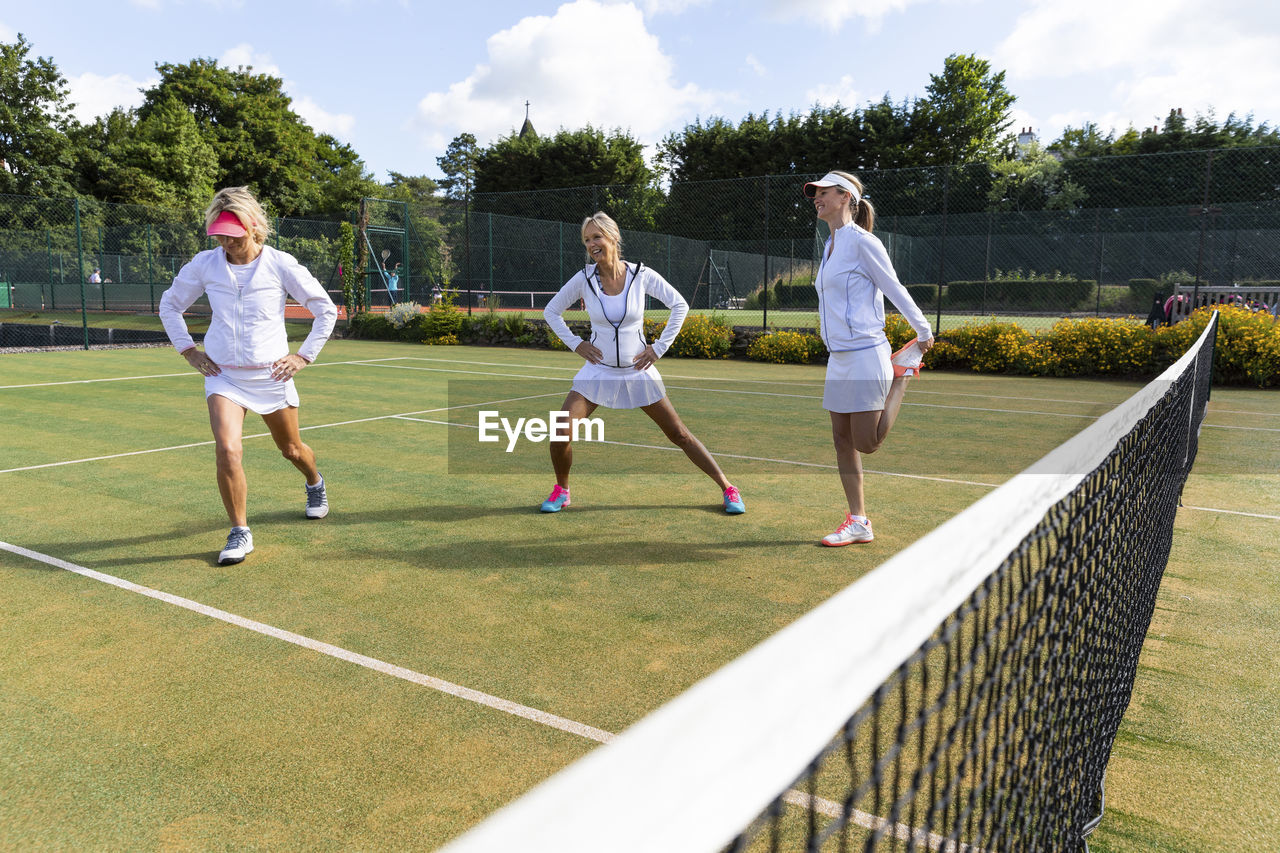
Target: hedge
{"points": [[1248, 342], [1045, 294]]}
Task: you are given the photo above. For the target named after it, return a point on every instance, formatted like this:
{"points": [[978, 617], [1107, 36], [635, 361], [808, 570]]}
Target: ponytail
{"points": [[864, 215]]}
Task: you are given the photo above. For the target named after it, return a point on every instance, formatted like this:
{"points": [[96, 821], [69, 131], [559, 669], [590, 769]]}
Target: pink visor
{"points": [[226, 224]]}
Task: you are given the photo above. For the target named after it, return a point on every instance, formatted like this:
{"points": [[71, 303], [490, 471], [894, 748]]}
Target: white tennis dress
{"points": [[247, 333], [617, 329], [851, 285]]}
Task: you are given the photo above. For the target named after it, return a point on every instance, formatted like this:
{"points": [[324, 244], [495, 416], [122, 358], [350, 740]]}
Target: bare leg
{"points": [[227, 421], [283, 424], [578, 407], [664, 415], [848, 459]]}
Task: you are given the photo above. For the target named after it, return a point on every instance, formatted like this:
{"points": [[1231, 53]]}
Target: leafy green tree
{"points": [[259, 140], [570, 158], [1032, 181], [964, 113], [417, 189], [161, 160], [459, 166], [35, 115]]}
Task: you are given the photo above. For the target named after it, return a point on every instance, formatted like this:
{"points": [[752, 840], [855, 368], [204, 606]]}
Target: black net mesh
{"points": [[995, 734]]}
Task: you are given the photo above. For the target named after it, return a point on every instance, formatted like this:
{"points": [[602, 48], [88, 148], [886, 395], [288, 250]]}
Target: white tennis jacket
{"points": [[852, 284], [619, 334], [247, 329]]}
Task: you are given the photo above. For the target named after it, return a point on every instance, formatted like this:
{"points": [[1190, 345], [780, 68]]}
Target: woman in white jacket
{"points": [[865, 383], [246, 362], [619, 373]]}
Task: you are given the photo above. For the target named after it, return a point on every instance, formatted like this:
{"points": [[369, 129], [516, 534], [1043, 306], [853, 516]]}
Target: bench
{"points": [[1180, 306]]}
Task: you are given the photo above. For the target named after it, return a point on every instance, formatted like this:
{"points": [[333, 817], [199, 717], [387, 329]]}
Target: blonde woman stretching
{"points": [[620, 372], [246, 363], [865, 383]]}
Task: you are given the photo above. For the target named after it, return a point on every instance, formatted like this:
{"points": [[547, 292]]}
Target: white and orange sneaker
{"points": [[850, 532], [909, 360]]}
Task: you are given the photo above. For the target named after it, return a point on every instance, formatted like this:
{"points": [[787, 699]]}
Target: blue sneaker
{"points": [[558, 500], [733, 501]]}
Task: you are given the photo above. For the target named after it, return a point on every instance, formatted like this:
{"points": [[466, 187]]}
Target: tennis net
{"points": [[974, 682]]}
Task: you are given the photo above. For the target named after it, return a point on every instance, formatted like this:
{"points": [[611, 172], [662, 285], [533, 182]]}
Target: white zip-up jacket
{"points": [[247, 329], [852, 284], [619, 335]]}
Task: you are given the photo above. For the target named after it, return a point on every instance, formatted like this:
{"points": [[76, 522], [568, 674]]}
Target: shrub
{"points": [[1248, 345], [1143, 290], [1100, 347], [372, 326], [701, 336], [403, 313], [442, 323], [785, 348]]}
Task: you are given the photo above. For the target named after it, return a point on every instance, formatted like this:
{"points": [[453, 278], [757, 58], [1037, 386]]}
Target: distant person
{"points": [[246, 364], [95, 277], [865, 383], [393, 283], [437, 296], [1156, 315], [620, 372]]}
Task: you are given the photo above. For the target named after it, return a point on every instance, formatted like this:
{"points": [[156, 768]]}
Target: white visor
{"points": [[831, 179]]}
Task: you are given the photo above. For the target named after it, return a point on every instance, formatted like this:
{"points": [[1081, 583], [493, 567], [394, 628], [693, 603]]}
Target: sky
{"points": [[399, 79]]}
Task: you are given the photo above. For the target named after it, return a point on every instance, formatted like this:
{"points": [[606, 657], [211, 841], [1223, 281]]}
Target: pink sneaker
{"points": [[733, 501], [558, 500]]}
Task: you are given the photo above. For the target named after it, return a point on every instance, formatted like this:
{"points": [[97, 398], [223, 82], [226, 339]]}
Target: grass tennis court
{"points": [[130, 722]]}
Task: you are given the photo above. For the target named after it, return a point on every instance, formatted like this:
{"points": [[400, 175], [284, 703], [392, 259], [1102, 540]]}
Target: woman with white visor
{"points": [[620, 372], [865, 383], [246, 363]]}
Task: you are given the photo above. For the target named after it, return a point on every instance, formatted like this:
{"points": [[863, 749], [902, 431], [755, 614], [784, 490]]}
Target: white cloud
{"points": [[1193, 54], [323, 121], [670, 7], [589, 63], [756, 65], [244, 55], [7, 34], [95, 95], [843, 93], [833, 13]]}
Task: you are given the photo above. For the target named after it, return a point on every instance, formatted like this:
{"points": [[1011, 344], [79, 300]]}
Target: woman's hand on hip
{"points": [[590, 352], [646, 358], [925, 346], [201, 362], [284, 369]]}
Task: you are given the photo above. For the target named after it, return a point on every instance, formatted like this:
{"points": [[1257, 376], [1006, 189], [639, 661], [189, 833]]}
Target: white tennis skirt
{"points": [[858, 381], [253, 388], [619, 387]]}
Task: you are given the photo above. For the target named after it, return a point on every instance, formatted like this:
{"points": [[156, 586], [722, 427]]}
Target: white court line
{"points": [[170, 375], [1233, 512], [476, 696], [449, 688]]}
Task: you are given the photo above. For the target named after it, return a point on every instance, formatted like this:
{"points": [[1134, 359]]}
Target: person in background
{"points": [[865, 383], [620, 372], [246, 362]]}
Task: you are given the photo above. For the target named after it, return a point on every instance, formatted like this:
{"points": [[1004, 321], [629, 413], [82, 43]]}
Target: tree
{"points": [[459, 166], [35, 115], [161, 160], [413, 189], [259, 140], [1032, 181], [571, 158], [964, 113]]}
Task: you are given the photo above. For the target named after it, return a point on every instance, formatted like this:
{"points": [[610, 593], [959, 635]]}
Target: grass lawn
{"points": [[129, 722]]}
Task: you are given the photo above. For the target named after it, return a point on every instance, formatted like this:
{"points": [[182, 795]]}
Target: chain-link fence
{"points": [[966, 240]]}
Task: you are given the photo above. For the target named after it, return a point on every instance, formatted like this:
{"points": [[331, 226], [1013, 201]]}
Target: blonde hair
{"points": [[864, 215], [605, 223], [245, 207]]}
